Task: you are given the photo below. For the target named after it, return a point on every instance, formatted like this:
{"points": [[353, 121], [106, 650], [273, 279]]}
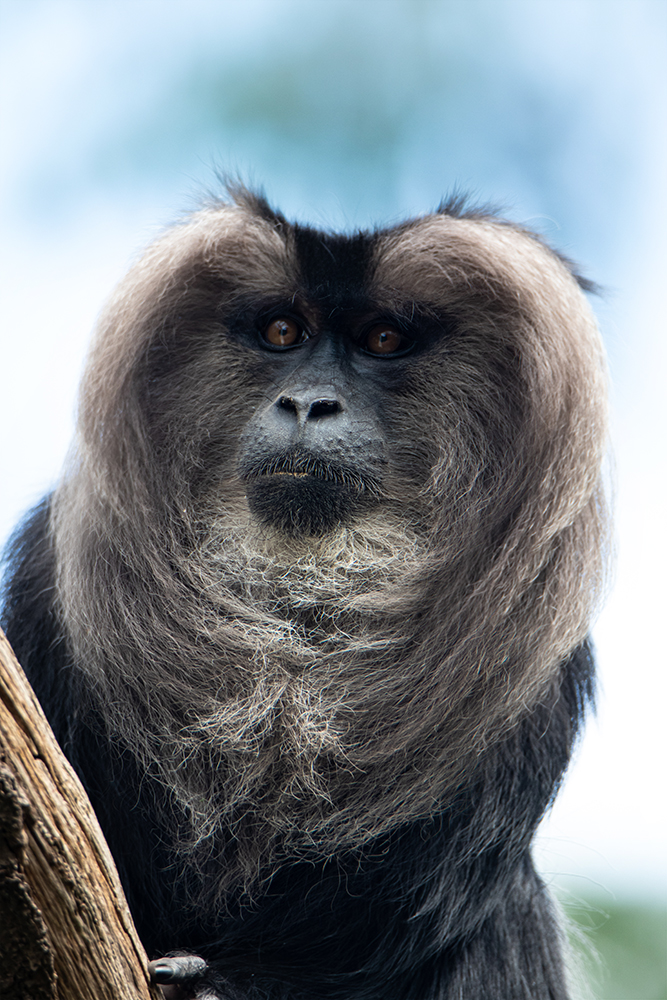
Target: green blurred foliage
{"points": [[620, 948]]}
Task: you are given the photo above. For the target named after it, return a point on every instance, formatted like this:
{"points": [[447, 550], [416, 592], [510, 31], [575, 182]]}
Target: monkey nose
{"points": [[309, 407]]}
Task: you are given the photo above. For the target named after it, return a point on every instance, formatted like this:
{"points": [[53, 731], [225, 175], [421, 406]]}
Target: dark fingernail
{"points": [[177, 970]]}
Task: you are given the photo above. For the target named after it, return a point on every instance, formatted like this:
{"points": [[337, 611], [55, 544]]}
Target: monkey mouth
{"points": [[303, 494], [303, 464]]}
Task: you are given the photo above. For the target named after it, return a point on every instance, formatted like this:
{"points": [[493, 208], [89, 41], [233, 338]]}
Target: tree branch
{"points": [[67, 933]]}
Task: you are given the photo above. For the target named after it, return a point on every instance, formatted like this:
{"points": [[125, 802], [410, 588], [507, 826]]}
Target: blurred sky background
{"points": [[116, 115]]}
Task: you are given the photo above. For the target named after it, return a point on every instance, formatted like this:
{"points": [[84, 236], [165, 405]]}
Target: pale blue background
{"points": [[115, 114]]}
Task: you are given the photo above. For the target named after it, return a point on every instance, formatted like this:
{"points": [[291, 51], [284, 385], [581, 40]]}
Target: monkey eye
{"points": [[385, 340], [283, 332]]}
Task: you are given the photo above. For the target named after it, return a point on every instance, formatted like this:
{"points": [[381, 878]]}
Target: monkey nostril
{"points": [[312, 410], [323, 408], [287, 403]]}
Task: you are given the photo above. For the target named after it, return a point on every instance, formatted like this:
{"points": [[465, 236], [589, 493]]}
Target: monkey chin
{"points": [[300, 505]]}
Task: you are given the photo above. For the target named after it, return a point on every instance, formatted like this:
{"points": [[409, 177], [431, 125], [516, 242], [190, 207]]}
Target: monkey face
{"points": [[315, 455], [302, 393]]}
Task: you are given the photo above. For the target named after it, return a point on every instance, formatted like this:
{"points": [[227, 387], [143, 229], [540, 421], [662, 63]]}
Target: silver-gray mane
{"points": [[311, 694]]}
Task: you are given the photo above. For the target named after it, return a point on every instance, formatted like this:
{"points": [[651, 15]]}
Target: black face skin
{"points": [[316, 453]]}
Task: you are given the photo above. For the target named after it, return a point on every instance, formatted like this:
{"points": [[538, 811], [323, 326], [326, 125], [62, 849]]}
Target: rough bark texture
{"points": [[65, 929]]}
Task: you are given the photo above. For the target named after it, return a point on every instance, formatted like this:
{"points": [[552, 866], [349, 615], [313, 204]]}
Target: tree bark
{"points": [[65, 928]]}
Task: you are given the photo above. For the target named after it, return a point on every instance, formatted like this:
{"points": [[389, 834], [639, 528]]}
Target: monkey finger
{"points": [[177, 975]]}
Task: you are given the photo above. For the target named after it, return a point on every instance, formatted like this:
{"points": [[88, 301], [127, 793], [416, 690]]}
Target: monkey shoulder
{"points": [[29, 614]]}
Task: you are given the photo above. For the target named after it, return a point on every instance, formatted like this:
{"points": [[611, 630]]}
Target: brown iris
{"points": [[383, 339], [283, 333]]}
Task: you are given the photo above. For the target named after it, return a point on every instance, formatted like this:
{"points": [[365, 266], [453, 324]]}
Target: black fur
{"points": [[329, 262]]}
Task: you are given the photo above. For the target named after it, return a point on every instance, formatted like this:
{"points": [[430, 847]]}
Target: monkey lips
{"points": [[300, 493]]}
